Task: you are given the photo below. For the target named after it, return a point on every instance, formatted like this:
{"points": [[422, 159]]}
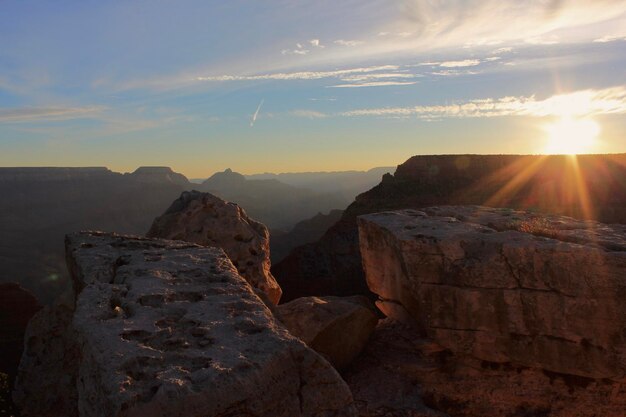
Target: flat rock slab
{"points": [[168, 328], [504, 285]]}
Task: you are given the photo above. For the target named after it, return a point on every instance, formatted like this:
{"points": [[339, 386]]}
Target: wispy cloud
{"points": [[459, 64], [373, 84], [316, 43], [577, 104], [349, 43], [610, 38], [41, 114], [309, 114], [300, 75], [256, 113]]}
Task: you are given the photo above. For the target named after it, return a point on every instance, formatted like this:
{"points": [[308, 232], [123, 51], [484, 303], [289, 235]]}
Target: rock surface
{"points": [[17, 307], [506, 286], [403, 374], [588, 186], [168, 328], [336, 327], [208, 220]]}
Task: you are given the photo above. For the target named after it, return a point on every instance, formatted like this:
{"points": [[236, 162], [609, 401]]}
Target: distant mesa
{"points": [[159, 174]]}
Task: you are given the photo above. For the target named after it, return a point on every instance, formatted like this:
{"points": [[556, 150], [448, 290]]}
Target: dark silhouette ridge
{"points": [[589, 186]]}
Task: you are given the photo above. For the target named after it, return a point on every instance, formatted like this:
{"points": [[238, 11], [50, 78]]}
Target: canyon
{"points": [[511, 311]]}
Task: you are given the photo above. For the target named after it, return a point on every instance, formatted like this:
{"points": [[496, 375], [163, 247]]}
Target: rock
{"points": [[207, 220], [506, 286], [46, 380], [589, 186], [168, 328], [336, 327], [401, 373], [17, 307]]}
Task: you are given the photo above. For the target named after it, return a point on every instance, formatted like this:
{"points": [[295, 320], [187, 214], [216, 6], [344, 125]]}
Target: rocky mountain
{"points": [[589, 186], [276, 204]]}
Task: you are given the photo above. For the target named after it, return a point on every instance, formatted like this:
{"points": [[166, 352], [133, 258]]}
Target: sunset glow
{"points": [[571, 136]]}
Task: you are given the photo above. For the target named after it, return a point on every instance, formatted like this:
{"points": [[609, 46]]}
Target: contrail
{"points": [[256, 113]]}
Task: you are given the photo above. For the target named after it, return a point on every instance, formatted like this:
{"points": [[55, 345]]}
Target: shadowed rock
{"points": [[169, 328], [505, 286], [336, 327], [207, 220]]}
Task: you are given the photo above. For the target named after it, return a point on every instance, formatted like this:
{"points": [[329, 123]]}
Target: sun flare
{"points": [[571, 136]]}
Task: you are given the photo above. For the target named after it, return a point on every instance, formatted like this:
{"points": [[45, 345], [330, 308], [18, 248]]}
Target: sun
{"points": [[570, 136]]}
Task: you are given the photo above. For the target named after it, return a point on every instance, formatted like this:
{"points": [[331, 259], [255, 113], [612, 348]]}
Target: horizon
{"points": [[277, 173], [329, 88]]}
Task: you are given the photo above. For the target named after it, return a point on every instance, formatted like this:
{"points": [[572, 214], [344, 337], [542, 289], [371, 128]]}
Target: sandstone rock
{"points": [[401, 373], [168, 328], [336, 327], [207, 220], [506, 286]]}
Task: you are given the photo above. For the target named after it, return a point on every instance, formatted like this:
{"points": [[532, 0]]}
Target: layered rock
{"points": [[401, 373], [336, 327], [588, 186], [505, 286], [207, 220], [168, 328]]}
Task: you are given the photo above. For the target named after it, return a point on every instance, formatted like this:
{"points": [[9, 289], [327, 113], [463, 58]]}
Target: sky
{"points": [[292, 86]]}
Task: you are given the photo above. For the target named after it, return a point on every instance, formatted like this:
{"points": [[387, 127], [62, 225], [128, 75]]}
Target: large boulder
{"points": [[207, 220], [168, 328], [505, 286], [336, 327]]}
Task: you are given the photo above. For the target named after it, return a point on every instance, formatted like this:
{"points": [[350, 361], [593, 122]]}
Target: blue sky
{"points": [[334, 85]]}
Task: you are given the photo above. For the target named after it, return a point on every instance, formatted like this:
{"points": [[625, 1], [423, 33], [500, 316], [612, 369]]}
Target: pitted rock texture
{"points": [[505, 286], [207, 220], [336, 327], [169, 328]]}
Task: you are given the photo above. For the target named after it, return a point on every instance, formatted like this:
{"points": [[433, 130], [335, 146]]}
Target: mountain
{"points": [[272, 202], [41, 205], [348, 184], [303, 232], [589, 186]]}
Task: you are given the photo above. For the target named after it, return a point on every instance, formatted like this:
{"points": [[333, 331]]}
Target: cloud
{"points": [[256, 113], [41, 114], [502, 50], [374, 84], [458, 64], [348, 43], [454, 73], [316, 43], [309, 114], [583, 103], [610, 38], [300, 75]]}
